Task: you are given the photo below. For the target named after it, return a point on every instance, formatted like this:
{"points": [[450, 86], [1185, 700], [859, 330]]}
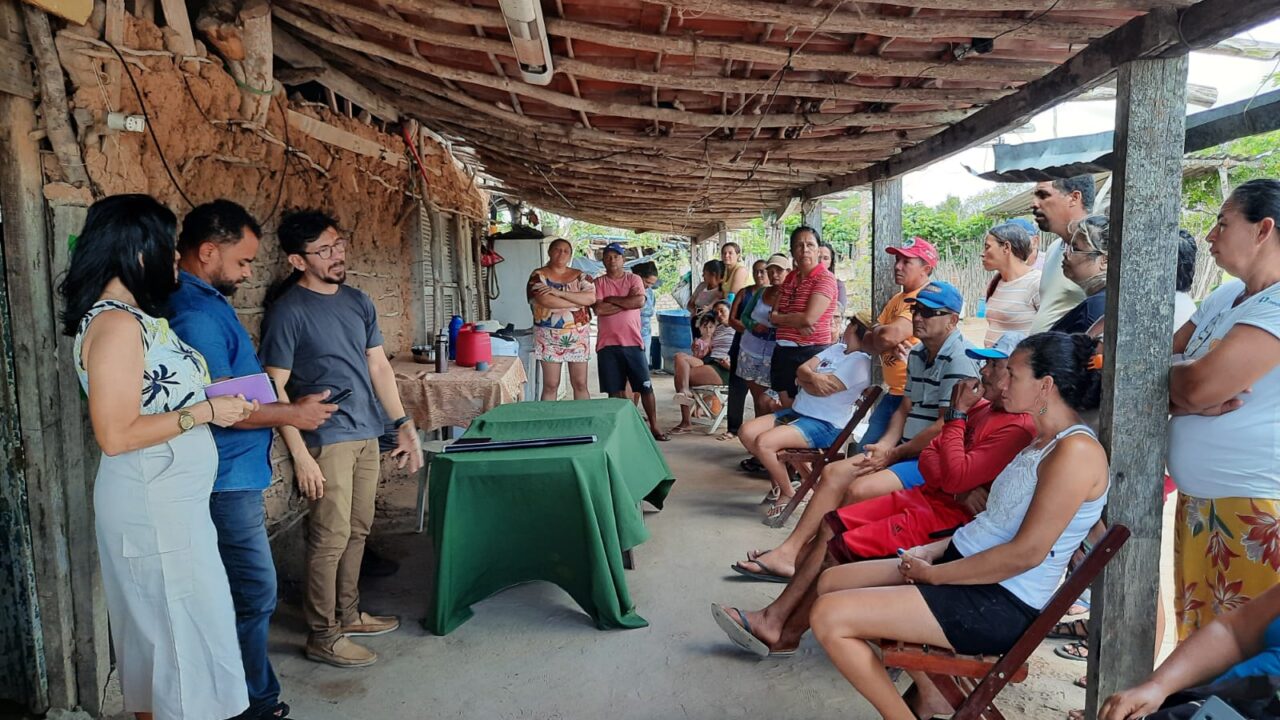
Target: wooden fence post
{"points": [[1145, 207]]}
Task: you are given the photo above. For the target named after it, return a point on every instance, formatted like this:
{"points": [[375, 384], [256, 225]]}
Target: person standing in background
{"points": [[561, 298], [736, 275], [1058, 206], [620, 361], [218, 243], [1013, 297], [739, 310], [323, 334]]}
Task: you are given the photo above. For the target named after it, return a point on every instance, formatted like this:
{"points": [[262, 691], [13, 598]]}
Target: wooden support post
{"points": [[886, 231], [53, 96], [177, 19], [813, 214], [1145, 205], [255, 99], [37, 386]]}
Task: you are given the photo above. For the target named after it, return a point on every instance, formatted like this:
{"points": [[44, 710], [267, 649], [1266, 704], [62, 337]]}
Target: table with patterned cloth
{"points": [[438, 400], [559, 514]]}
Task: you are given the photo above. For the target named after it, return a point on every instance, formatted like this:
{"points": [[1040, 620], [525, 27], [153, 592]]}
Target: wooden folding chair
{"points": [[970, 683], [700, 394], [819, 458]]}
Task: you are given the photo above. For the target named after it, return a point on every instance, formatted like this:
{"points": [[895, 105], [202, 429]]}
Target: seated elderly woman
{"points": [[1235, 658], [977, 592], [829, 384]]}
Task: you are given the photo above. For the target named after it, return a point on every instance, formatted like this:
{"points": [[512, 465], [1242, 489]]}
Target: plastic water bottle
{"points": [[442, 351]]}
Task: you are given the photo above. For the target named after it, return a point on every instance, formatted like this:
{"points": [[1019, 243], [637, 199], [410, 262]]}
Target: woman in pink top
{"points": [[1013, 297], [802, 315]]}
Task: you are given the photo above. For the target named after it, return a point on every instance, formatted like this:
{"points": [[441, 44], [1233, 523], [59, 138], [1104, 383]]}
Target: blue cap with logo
{"points": [[614, 247], [940, 295], [1004, 347], [1027, 225]]}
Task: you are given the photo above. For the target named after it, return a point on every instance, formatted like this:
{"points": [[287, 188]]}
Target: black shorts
{"points": [[619, 365], [977, 619], [784, 364]]}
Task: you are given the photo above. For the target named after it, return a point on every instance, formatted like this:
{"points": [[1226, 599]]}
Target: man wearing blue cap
{"points": [[620, 357]]}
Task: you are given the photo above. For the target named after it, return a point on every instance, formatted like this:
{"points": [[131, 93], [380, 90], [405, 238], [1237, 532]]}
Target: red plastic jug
{"points": [[473, 346]]}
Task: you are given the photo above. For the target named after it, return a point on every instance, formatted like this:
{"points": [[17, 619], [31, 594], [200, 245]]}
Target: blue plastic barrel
{"points": [[675, 335]]}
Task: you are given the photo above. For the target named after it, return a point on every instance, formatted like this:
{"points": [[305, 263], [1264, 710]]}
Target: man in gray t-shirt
{"points": [[322, 335]]}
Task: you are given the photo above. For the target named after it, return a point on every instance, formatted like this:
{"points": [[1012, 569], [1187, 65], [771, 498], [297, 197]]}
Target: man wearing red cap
{"points": [[913, 265]]}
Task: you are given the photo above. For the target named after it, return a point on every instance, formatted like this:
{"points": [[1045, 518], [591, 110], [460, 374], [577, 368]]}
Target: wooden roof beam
{"points": [[291, 51], [845, 21], [638, 112], [993, 70], [1164, 31], [572, 67]]}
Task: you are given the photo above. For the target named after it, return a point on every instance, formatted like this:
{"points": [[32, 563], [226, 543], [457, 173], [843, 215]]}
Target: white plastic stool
{"points": [[430, 449]]}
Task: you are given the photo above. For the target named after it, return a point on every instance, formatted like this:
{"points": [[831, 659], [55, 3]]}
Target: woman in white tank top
{"points": [[977, 592]]}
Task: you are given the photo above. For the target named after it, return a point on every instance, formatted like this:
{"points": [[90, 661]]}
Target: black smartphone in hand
{"points": [[342, 395]]}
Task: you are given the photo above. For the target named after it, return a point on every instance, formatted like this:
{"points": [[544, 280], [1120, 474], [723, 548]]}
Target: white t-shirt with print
{"points": [[1236, 454], [853, 369]]}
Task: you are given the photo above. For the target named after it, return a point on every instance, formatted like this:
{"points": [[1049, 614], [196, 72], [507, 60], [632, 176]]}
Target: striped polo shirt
{"points": [[929, 384]]}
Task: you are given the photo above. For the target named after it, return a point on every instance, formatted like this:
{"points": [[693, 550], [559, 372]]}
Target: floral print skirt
{"points": [[1225, 553], [572, 344]]}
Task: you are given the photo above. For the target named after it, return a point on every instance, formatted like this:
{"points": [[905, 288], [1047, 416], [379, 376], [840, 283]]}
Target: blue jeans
{"points": [[242, 540], [880, 417]]}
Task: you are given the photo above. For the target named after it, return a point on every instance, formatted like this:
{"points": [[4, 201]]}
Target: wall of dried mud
{"points": [[194, 111]]}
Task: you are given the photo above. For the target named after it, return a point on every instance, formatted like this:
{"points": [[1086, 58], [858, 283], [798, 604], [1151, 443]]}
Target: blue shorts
{"points": [[817, 433], [908, 471]]}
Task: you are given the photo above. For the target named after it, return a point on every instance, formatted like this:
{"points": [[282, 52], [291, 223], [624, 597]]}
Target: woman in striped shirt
{"points": [[1013, 297]]}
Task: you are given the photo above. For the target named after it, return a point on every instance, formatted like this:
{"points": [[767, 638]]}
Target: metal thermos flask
{"points": [[442, 351]]}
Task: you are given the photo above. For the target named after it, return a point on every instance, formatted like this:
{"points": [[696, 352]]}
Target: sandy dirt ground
{"points": [[530, 652]]}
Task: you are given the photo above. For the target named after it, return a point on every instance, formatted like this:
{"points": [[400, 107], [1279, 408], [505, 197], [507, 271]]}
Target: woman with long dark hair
{"points": [[172, 622], [1004, 565]]}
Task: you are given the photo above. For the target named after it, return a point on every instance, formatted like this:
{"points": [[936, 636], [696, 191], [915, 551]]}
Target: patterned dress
{"points": [[561, 334], [172, 621]]}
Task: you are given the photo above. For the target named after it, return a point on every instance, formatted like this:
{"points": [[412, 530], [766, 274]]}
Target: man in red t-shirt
{"points": [[620, 359], [977, 441]]}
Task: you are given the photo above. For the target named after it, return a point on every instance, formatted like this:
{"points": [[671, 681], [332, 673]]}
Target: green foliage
{"points": [[1202, 196]]}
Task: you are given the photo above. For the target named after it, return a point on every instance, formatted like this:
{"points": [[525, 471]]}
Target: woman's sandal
{"points": [[726, 436], [1070, 630], [751, 465], [1077, 651], [680, 430]]}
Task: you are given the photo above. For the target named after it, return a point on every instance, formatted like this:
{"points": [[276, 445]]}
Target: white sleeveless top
{"points": [[1011, 494]]}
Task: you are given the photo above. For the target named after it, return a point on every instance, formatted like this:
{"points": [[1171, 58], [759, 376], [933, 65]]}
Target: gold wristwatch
{"points": [[186, 420]]}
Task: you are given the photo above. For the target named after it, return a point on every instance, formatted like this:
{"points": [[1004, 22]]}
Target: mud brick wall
{"points": [[194, 111]]}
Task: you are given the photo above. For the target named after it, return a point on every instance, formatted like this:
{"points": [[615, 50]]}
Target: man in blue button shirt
{"points": [[218, 243]]}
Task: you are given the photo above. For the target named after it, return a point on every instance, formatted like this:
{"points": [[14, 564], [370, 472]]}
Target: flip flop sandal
{"points": [[1081, 682], [1070, 630], [752, 555], [1077, 651], [766, 576], [751, 465], [771, 496], [726, 436], [662, 437], [677, 430], [776, 509], [739, 631]]}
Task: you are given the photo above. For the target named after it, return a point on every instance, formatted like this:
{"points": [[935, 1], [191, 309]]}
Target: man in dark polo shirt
{"points": [[319, 335], [218, 243]]}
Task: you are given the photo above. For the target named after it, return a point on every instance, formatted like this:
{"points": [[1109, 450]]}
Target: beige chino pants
{"points": [[336, 531]]}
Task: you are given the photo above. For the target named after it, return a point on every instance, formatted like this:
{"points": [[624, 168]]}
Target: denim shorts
{"points": [[817, 433], [908, 471]]}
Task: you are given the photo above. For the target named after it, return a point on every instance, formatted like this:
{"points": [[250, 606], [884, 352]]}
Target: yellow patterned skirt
{"points": [[1225, 553]]}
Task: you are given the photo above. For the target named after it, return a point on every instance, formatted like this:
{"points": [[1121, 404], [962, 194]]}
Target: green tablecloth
{"points": [[560, 514]]}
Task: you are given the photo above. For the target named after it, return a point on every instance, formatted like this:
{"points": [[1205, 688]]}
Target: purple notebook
{"points": [[252, 387]]}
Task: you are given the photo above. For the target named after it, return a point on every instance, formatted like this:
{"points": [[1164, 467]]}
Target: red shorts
{"points": [[876, 528]]}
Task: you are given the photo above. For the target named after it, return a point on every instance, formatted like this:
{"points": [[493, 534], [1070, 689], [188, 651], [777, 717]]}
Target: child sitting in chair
{"points": [[710, 368]]}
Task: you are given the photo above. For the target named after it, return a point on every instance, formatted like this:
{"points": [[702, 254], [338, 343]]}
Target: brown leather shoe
{"points": [[342, 653], [367, 625]]}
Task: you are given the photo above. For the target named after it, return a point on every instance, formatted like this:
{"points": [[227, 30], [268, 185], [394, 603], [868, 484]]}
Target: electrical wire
{"points": [[146, 116]]}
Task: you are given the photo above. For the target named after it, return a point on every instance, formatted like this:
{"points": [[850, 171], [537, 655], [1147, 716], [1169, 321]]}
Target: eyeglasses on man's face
{"points": [[326, 251], [927, 312]]}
